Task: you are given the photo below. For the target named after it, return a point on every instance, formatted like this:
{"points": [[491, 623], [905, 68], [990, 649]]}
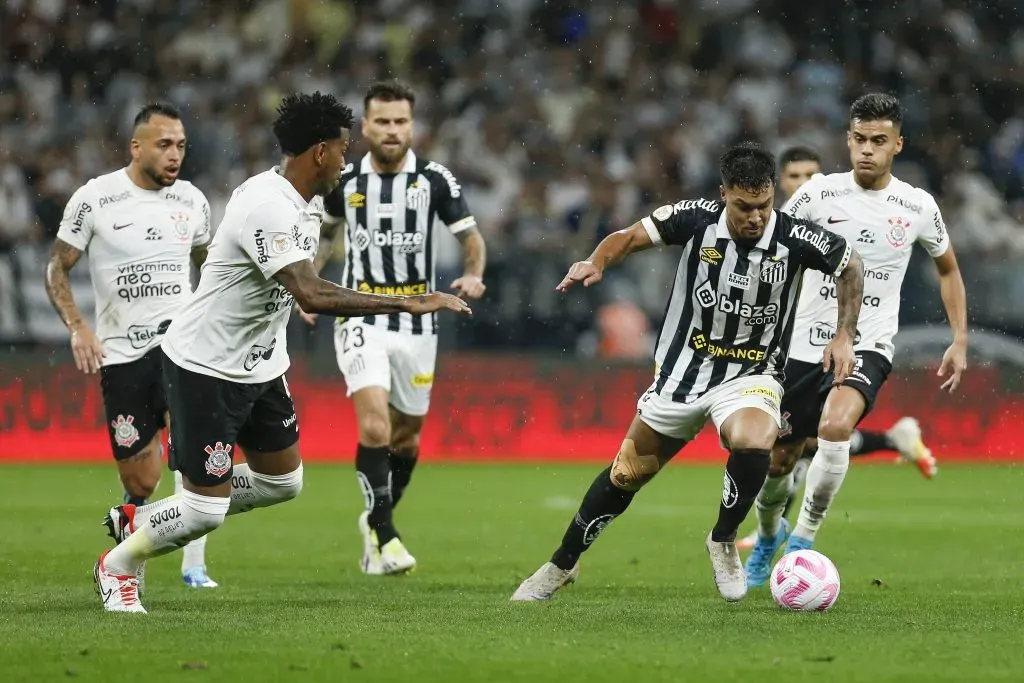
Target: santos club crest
{"points": [[219, 461], [125, 433]]}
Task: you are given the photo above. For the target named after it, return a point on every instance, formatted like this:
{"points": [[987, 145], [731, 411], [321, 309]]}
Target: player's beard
{"points": [[387, 156], [157, 177]]}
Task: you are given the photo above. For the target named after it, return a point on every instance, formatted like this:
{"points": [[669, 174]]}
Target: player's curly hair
{"points": [[877, 106], [748, 165], [305, 120]]}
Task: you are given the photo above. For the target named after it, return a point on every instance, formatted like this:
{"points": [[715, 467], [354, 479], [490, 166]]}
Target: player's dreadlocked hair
{"points": [[798, 154], [877, 106], [305, 120], [389, 91], [749, 166]]}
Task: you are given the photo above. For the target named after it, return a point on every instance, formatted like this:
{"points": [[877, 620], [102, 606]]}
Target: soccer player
{"points": [[883, 216], [140, 226], [720, 353], [796, 166], [389, 202], [227, 347]]}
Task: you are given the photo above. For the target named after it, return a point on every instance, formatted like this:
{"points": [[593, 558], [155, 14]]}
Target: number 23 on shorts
{"points": [[351, 338]]}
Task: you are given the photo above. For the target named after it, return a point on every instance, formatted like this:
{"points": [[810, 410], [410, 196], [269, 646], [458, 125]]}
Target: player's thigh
{"points": [[413, 360], [208, 414], [362, 354], [134, 402], [747, 411], [846, 405], [270, 434]]}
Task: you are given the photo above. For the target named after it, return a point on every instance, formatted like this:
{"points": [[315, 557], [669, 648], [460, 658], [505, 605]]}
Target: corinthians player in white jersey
{"points": [[141, 228], [226, 352], [883, 217], [720, 352], [389, 202]]}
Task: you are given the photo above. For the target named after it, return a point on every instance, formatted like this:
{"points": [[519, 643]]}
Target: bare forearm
{"points": [[323, 254], [474, 255], [954, 300], [332, 299], [613, 249], [850, 293], [59, 290]]}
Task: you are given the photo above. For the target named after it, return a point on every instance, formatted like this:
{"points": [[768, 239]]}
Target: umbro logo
{"points": [[710, 255], [122, 227], [833, 221]]}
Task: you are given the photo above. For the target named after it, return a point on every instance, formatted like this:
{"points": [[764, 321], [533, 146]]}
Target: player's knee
{"points": [[833, 428], [277, 488], [630, 471], [199, 514], [374, 430]]}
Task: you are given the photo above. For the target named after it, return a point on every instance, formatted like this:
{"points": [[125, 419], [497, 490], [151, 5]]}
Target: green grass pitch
{"points": [[293, 606]]}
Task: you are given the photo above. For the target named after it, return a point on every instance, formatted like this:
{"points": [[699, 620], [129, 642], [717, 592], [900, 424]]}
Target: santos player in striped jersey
{"points": [[389, 201], [884, 217], [720, 353]]}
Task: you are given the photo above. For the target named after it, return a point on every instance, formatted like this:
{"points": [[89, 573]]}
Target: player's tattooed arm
{"points": [[329, 230], [474, 258], [850, 293], [316, 295], [85, 345], [612, 250]]}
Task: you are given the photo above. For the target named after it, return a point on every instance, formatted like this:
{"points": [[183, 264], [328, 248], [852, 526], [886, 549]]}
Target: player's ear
{"points": [[899, 145], [320, 152], [721, 192]]}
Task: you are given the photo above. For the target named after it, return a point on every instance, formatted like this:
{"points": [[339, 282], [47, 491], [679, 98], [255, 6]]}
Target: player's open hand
{"points": [[86, 347], [954, 362], [581, 271], [308, 318], [436, 301], [471, 286], [839, 358]]}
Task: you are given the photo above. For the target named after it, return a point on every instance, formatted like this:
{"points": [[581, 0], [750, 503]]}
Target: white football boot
{"points": [[120, 523], [395, 559], [369, 563], [545, 582], [730, 576], [120, 593], [906, 436]]}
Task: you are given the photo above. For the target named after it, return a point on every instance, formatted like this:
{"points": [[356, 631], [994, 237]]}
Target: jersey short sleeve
{"points": [[818, 249], [76, 225], [202, 235], [267, 238], [677, 223], [450, 203], [801, 204], [933, 236]]}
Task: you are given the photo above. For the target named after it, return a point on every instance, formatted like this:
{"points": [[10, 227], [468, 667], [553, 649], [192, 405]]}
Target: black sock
{"points": [[602, 503], [137, 501], [374, 472], [870, 442], [402, 465], [745, 472]]}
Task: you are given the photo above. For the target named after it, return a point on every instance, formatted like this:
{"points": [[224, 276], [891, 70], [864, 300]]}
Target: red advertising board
{"points": [[499, 408]]}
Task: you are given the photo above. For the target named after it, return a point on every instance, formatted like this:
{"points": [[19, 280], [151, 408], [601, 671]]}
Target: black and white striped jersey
{"points": [[389, 221], [732, 305]]}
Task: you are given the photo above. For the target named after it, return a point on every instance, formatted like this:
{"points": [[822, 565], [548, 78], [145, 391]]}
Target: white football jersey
{"points": [[234, 325], [882, 225], [139, 244]]}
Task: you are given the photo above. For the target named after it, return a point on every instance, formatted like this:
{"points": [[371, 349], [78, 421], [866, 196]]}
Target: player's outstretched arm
{"points": [[316, 295], [850, 294], [85, 345], [954, 300], [612, 250]]}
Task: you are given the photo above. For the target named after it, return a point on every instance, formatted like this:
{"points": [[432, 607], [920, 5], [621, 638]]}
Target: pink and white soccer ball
{"points": [[805, 581]]}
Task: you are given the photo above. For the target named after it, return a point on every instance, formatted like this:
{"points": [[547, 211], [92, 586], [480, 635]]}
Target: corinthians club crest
{"points": [[125, 432], [897, 235], [219, 461]]}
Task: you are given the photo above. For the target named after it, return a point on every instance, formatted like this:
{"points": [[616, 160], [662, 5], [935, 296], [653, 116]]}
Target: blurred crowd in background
{"points": [[563, 121]]}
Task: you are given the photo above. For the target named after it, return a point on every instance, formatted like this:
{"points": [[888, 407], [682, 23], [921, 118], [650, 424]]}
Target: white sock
{"points": [[169, 525], [250, 490], [770, 503], [193, 554], [824, 477]]}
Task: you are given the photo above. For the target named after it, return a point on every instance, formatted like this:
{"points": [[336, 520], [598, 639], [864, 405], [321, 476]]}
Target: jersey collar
{"points": [[408, 167], [722, 231]]}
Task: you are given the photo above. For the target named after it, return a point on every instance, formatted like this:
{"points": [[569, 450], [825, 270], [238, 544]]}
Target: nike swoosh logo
{"points": [[832, 221], [122, 227], [107, 594]]}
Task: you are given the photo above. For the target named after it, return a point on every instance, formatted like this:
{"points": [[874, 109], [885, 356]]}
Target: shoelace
{"points": [[129, 590]]}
